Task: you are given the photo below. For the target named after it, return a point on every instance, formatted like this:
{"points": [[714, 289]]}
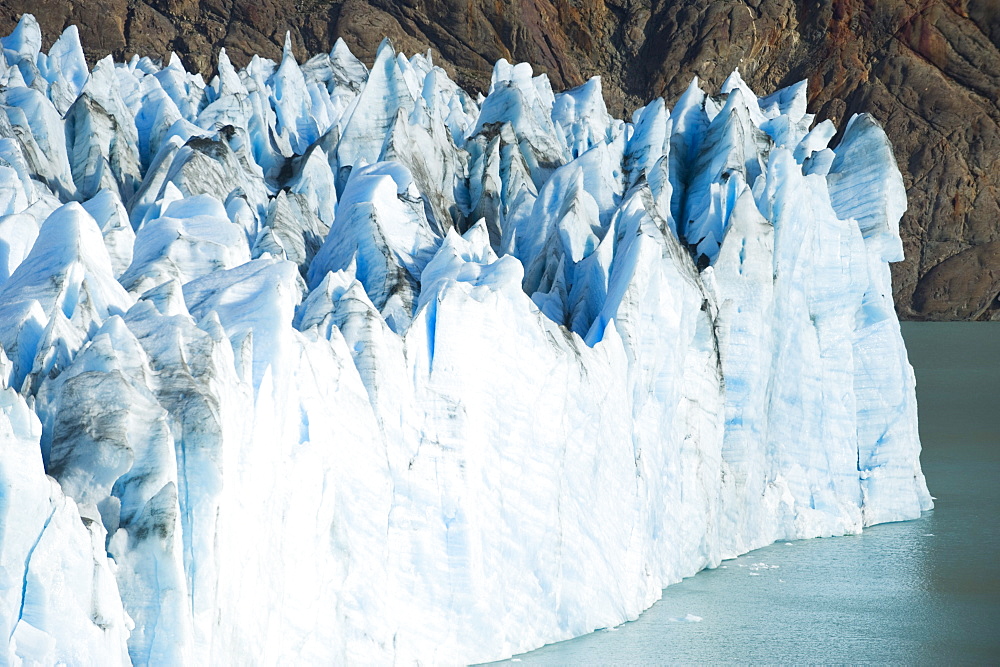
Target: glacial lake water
{"points": [[918, 592]]}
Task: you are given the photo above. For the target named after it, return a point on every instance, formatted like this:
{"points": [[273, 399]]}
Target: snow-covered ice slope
{"points": [[317, 363]]}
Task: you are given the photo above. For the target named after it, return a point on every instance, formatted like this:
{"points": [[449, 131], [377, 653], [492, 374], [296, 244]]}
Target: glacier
{"points": [[321, 363]]}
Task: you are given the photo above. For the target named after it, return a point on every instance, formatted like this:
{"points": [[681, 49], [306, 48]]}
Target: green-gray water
{"points": [[924, 591]]}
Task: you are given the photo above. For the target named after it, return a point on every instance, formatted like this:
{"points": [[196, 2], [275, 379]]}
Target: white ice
{"points": [[316, 363]]}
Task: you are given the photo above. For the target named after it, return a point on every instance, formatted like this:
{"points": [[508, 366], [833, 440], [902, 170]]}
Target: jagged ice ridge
{"points": [[316, 363]]}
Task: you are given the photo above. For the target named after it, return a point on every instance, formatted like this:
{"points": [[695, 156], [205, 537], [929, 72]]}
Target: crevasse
{"points": [[317, 363]]}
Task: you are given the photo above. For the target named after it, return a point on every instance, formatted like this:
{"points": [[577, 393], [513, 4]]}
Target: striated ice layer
{"points": [[316, 363]]}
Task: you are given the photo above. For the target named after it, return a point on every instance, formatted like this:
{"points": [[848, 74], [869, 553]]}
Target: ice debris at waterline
{"points": [[317, 363]]}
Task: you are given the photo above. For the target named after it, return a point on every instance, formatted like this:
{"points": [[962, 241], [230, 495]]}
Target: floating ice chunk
{"points": [[686, 618]]}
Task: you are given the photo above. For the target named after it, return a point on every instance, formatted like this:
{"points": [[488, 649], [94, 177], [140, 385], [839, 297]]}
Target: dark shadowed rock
{"points": [[929, 71]]}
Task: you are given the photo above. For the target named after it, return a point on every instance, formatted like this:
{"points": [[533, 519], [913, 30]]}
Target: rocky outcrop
{"points": [[929, 70]]}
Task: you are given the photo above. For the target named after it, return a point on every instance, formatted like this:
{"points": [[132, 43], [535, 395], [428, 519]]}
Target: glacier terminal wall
{"points": [[316, 362]]}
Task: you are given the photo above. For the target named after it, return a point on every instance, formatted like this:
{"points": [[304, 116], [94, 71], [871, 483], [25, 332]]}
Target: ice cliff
{"points": [[317, 363]]}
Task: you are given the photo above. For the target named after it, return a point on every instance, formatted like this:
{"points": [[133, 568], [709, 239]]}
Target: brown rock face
{"points": [[929, 70]]}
